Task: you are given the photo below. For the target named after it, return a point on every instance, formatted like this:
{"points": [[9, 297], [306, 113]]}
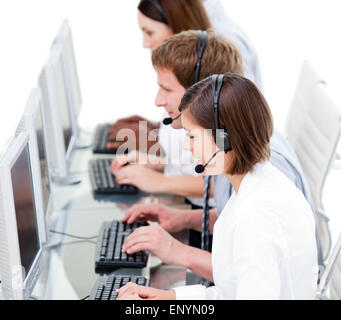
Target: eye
{"points": [[165, 89]]}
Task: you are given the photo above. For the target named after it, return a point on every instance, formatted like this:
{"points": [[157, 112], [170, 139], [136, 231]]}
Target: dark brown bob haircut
{"points": [[179, 54], [179, 15], [243, 111]]}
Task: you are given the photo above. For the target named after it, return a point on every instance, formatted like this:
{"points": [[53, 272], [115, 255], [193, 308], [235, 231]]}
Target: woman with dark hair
{"points": [[160, 19], [264, 240]]}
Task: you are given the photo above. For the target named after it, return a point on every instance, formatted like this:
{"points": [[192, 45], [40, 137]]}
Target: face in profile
{"points": [[154, 32], [200, 142], [169, 94]]}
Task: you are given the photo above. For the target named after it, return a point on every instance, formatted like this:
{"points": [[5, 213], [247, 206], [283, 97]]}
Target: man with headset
{"points": [[176, 67]]}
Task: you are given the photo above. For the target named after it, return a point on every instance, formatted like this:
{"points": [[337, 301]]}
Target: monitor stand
{"points": [[82, 144], [67, 180], [53, 242]]}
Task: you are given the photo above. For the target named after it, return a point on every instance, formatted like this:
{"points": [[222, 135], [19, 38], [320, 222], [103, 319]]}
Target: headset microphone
{"points": [[169, 120], [201, 168]]}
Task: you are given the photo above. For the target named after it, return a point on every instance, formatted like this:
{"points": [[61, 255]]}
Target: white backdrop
{"points": [[115, 72]]}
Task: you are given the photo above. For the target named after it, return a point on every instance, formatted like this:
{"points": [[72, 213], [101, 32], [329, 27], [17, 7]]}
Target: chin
{"points": [[213, 171], [209, 172], [176, 125]]}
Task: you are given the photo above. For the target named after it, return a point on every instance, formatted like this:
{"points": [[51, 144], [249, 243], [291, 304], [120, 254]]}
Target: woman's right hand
{"points": [[170, 219]]}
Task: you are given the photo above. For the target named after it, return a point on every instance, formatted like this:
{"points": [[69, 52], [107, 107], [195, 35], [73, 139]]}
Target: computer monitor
{"points": [[32, 122], [71, 80], [60, 132], [20, 246], [64, 38]]}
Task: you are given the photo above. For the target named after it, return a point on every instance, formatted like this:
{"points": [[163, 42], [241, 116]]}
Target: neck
{"points": [[235, 180]]}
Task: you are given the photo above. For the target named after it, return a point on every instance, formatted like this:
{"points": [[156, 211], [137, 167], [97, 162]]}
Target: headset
{"points": [[201, 44], [158, 7], [221, 136]]}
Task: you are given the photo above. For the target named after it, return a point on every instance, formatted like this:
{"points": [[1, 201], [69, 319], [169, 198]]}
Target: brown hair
{"points": [[179, 54], [180, 14], [243, 111]]}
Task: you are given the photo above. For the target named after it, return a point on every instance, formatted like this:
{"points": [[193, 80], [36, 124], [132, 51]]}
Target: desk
{"points": [[69, 264]]}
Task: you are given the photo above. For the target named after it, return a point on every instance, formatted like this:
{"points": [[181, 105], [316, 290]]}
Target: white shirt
{"points": [[263, 243], [228, 28]]}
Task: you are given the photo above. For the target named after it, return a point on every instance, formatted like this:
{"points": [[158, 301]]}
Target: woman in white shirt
{"points": [[264, 240]]}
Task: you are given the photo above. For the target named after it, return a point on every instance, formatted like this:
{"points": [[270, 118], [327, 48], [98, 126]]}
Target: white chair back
{"points": [[313, 129]]}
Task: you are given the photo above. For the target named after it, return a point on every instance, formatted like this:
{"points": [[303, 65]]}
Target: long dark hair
{"points": [[179, 15]]}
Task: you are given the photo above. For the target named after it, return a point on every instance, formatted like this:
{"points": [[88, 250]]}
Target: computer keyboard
{"points": [[104, 182], [105, 286], [99, 144], [109, 255]]}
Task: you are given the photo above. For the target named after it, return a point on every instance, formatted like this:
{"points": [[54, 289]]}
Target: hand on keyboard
{"points": [[170, 219], [123, 159], [104, 182], [132, 291], [145, 179], [157, 241], [129, 133]]}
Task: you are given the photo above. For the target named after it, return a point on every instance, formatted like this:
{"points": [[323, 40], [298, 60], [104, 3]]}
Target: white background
{"points": [[115, 72]]}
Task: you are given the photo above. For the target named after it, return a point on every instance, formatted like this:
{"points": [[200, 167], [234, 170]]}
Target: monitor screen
{"points": [[25, 209], [63, 104], [42, 158]]}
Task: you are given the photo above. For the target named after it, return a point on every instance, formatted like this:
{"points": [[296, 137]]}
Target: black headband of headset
{"points": [[157, 5], [201, 44], [217, 83]]}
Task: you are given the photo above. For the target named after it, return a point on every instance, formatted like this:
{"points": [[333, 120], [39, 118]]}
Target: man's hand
{"points": [[136, 127], [145, 179], [170, 219], [126, 121], [122, 159], [132, 291], [158, 242]]}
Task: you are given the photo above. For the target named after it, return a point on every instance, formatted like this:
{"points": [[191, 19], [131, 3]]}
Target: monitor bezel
{"points": [[64, 37], [56, 61], [27, 123], [9, 230], [59, 156]]}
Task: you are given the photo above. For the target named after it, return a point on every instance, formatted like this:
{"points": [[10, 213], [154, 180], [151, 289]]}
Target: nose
{"points": [[160, 101], [146, 43]]}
